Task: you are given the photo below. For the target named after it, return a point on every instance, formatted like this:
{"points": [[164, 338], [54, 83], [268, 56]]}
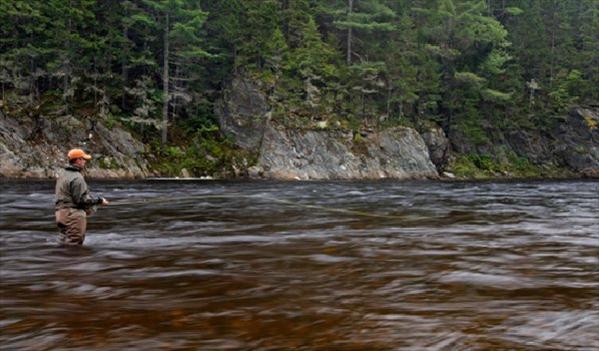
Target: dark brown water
{"points": [[306, 266]]}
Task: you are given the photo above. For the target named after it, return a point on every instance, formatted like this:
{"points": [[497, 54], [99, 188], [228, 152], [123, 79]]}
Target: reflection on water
{"points": [[308, 266]]}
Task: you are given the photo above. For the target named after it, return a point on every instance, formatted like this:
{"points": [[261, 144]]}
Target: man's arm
{"points": [[81, 196]]}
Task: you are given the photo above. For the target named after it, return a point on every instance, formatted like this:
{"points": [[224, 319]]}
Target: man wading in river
{"points": [[73, 201]]}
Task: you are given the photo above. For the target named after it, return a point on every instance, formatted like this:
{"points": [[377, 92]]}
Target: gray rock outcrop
{"points": [[36, 147], [398, 153], [573, 143], [242, 113], [283, 153], [438, 146], [570, 144], [578, 142]]}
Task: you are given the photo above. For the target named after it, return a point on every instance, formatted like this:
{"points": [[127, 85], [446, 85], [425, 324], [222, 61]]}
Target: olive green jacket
{"points": [[72, 191]]}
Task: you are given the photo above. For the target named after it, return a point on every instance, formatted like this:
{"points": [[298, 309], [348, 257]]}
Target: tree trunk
{"points": [[363, 104], [32, 82], [552, 57], [124, 70], [165, 83], [350, 5], [95, 83], [67, 67], [553, 25], [449, 122], [389, 91], [175, 90]]}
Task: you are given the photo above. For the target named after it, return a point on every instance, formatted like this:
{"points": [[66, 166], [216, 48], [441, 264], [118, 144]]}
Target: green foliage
{"points": [[359, 144], [463, 64], [471, 127], [108, 163], [564, 94], [514, 11], [592, 123], [203, 153], [469, 78], [110, 122], [173, 152], [474, 166], [495, 96], [495, 62], [464, 167], [478, 167]]}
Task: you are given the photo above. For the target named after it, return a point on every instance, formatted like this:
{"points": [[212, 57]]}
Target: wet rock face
{"points": [[573, 144], [398, 153], [36, 148], [242, 113], [317, 154], [578, 142], [438, 146], [534, 146]]}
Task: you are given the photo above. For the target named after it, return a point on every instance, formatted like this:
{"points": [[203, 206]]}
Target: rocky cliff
{"points": [[36, 147], [569, 143], [398, 153], [319, 152], [571, 146], [573, 143]]}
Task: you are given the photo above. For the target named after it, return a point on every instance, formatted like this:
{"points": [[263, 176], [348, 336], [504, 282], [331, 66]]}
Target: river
{"points": [[305, 266]]}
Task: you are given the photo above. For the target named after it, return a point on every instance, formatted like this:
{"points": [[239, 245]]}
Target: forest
{"points": [[160, 66]]}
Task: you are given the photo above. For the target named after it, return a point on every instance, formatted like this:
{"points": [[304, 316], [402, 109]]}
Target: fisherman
{"points": [[73, 200]]}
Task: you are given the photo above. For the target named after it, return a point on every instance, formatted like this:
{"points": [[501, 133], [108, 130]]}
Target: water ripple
{"points": [[307, 266]]}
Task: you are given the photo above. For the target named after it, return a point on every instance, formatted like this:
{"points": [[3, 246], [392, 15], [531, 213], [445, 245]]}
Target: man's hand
{"points": [[104, 202]]}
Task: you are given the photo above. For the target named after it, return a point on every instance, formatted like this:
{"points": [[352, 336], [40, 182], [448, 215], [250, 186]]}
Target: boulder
{"points": [[242, 113], [438, 146], [398, 153]]}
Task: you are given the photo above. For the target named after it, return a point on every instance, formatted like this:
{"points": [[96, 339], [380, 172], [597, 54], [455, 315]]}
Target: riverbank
{"points": [[33, 147]]}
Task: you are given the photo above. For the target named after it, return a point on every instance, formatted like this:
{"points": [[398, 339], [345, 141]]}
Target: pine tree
{"points": [[260, 19], [359, 17], [310, 63], [179, 23], [22, 54], [587, 39], [470, 47]]}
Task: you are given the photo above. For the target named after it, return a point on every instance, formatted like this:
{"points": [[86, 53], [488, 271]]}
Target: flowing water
{"points": [[305, 266]]}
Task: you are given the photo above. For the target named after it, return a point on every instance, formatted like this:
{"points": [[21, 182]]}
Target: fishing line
{"points": [[140, 201]]}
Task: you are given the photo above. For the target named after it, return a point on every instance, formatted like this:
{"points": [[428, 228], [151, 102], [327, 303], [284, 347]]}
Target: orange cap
{"points": [[78, 153]]}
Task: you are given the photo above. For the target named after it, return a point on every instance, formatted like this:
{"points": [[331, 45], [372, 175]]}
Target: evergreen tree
{"points": [[260, 19], [359, 17], [467, 64], [180, 23], [469, 46]]}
